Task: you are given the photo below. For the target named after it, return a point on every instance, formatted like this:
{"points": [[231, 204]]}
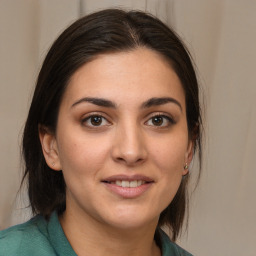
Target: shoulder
{"points": [[29, 238], [171, 248]]}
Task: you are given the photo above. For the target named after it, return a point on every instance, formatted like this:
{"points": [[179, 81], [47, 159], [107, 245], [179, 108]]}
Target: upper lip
{"points": [[128, 178]]}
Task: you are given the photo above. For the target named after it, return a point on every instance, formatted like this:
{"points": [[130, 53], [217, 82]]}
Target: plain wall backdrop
{"points": [[221, 36]]}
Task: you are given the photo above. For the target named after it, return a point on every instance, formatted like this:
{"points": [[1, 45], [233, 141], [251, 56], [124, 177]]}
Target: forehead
{"points": [[125, 76]]}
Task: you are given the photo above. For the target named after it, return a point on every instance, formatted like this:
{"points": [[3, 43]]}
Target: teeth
{"points": [[118, 182], [125, 184], [133, 184], [128, 184]]}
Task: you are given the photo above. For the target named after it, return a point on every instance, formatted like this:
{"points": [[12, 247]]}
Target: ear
{"points": [[188, 156], [49, 148]]}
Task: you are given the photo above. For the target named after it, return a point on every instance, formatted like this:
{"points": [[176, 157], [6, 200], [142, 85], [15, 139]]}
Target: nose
{"points": [[129, 145]]}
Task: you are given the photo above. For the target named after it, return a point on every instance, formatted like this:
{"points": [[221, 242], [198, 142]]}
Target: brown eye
{"points": [[160, 121], [96, 120], [157, 120]]}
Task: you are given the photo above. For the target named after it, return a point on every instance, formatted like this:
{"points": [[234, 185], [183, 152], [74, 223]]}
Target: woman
{"points": [[112, 128]]}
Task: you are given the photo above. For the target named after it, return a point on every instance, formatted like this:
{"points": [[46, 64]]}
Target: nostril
{"points": [[129, 160], [128, 152]]}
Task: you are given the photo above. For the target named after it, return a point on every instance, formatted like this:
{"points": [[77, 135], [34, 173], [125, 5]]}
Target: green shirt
{"points": [[39, 237]]}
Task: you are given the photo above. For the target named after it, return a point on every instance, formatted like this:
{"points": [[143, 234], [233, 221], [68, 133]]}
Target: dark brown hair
{"points": [[106, 31]]}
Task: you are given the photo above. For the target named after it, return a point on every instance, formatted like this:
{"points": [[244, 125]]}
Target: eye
{"points": [[160, 121], [95, 121]]}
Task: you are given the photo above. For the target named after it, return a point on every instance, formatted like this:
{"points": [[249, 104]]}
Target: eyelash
{"points": [[169, 119], [88, 118]]}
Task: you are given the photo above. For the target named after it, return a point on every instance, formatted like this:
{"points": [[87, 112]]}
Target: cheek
{"points": [[82, 155], [169, 159], [169, 154]]}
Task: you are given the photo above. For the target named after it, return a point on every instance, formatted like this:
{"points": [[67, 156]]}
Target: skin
{"points": [[127, 141]]}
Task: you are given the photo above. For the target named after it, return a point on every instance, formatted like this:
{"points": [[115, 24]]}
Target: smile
{"points": [[128, 184]]}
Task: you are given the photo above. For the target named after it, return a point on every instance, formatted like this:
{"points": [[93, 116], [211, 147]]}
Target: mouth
{"points": [[128, 186], [127, 183]]}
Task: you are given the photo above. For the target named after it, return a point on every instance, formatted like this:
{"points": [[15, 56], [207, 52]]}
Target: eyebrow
{"points": [[160, 101], [96, 101], [147, 104]]}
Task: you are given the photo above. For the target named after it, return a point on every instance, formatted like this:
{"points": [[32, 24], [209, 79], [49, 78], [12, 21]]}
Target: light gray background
{"points": [[221, 35]]}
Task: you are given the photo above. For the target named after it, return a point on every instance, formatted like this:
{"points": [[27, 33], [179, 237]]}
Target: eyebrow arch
{"points": [[160, 101], [96, 101], [147, 104]]}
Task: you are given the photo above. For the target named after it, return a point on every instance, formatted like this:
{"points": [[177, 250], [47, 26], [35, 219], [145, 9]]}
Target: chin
{"points": [[127, 219]]}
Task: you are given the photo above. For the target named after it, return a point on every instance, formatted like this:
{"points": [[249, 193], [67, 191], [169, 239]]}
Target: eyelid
{"points": [[169, 117], [164, 114], [91, 114]]}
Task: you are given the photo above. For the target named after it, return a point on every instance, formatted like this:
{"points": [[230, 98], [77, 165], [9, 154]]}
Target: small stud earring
{"points": [[186, 166], [53, 163]]}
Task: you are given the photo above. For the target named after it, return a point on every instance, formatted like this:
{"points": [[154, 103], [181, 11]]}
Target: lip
{"points": [[128, 178], [128, 192]]}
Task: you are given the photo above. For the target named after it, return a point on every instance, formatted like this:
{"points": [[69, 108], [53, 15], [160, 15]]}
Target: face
{"points": [[121, 138]]}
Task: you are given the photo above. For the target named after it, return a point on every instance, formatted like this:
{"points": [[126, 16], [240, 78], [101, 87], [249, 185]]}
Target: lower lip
{"points": [[128, 192]]}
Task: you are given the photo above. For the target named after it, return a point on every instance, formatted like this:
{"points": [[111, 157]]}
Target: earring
{"points": [[53, 163], [185, 168]]}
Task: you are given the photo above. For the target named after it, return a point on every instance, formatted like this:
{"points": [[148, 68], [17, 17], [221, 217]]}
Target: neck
{"points": [[88, 236]]}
